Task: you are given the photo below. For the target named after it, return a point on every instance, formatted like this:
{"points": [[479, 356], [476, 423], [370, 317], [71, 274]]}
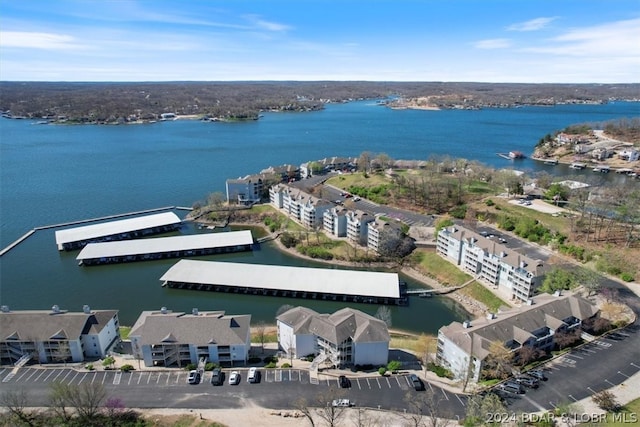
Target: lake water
{"points": [[55, 174]]}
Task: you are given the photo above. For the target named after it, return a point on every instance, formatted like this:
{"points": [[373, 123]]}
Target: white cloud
{"points": [[266, 25], [35, 40], [615, 39], [492, 44], [532, 25]]}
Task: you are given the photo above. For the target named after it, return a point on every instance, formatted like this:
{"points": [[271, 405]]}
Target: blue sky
{"points": [[529, 41]]}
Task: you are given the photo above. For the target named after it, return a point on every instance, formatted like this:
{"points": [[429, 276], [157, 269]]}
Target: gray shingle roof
{"points": [[44, 325], [214, 327], [518, 324], [337, 327]]}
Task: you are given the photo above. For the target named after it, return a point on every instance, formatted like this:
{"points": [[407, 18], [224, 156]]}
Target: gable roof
{"points": [[45, 325], [519, 324], [202, 328], [337, 327]]}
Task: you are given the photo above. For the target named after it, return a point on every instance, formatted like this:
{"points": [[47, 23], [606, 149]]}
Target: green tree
{"points": [[558, 279]]}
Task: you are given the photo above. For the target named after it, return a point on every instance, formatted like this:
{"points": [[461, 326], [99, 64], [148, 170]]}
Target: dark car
{"points": [[343, 382], [528, 381], [539, 375], [417, 382], [217, 377]]}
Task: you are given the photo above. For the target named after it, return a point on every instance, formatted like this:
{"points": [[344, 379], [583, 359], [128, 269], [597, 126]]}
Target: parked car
{"points": [[537, 374], [234, 378], [356, 199], [194, 377], [341, 402], [528, 381], [417, 382], [253, 376], [511, 387], [217, 377], [343, 382]]}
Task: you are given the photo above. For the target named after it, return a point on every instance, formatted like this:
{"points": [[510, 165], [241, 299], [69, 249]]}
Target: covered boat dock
{"points": [[165, 247], [132, 228], [284, 281]]}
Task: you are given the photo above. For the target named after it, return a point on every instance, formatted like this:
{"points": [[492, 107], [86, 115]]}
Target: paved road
{"points": [[278, 388]]}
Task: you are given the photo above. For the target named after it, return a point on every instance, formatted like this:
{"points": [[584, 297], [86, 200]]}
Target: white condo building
{"points": [[490, 262], [346, 337], [56, 336]]}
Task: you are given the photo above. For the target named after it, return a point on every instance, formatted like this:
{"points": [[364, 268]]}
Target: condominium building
{"points": [[56, 336], [491, 262], [357, 226], [346, 337], [245, 191], [334, 221], [167, 338], [464, 347], [299, 206]]}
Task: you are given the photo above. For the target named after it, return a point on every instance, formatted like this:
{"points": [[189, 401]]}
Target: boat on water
{"points": [[602, 168], [577, 166], [551, 162]]}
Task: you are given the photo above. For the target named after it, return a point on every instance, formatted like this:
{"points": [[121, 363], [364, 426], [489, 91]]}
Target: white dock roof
{"points": [[165, 244], [283, 278], [115, 227]]}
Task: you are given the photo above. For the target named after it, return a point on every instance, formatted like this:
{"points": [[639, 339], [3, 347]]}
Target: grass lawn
{"points": [[413, 343], [358, 179], [478, 292], [630, 415], [440, 269], [124, 332]]}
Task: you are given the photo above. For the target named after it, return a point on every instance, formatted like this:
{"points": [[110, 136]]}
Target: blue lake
{"points": [[53, 174]]}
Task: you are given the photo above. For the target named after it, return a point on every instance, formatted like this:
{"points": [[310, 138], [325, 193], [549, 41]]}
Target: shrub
{"points": [[270, 359], [627, 277], [210, 366], [285, 365], [382, 370], [489, 202], [288, 240], [270, 365], [89, 367], [440, 371], [394, 365], [126, 368], [190, 366]]}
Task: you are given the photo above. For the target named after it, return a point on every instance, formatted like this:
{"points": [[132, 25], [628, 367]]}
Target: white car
{"points": [[234, 378], [341, 402]]}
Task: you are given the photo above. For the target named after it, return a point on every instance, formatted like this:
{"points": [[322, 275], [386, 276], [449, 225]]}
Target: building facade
{"points": [[56, 336], [245, 191], [334, 221], [357, 226], [490, 262], [464, 347], [167, 338], [347, 337]]}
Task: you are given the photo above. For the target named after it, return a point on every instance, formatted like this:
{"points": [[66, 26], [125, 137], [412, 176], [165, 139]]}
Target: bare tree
{"points": [[85, 398], [321, 407], [302, 405], [384, 313], [62, 353], [426, 409], [499, 361], [15, 402]]}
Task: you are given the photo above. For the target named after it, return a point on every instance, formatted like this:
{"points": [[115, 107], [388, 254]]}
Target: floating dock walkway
{"points": [[85, 221]]}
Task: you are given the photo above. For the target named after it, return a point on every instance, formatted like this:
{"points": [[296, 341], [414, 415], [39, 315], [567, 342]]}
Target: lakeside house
{"points": [[245, 191], [491, 262], [463, 348], [167, 338], [56, 335], [347, 337]]}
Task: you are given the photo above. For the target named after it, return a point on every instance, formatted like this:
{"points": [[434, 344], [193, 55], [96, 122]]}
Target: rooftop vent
{"points": [[194, 311], [55, 308], [557, 293], [491, 316], [163, 310], [4, 308], [466, 324], [86, 309], [529, 301]]}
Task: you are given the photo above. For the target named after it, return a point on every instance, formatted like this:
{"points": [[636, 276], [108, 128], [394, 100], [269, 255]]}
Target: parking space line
{"points": [[117, 377], [177, 377], [35, 371], [82, 379], [50, 373], [575, 355], [74, 377], [430, 387], [573, 398], [41, 374], [278, 375], [445, 394], [388, 383], [2, 372], [624, 375], [458, 397], [130, 378], [368, 383], [149, 379], [59, 373], [378, 381], [65, 377], [159, 376], [25, 373], [358, 382], [168, 377]]}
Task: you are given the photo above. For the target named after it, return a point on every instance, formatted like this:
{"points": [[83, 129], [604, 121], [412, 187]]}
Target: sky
{"points": [[508, 41]]}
